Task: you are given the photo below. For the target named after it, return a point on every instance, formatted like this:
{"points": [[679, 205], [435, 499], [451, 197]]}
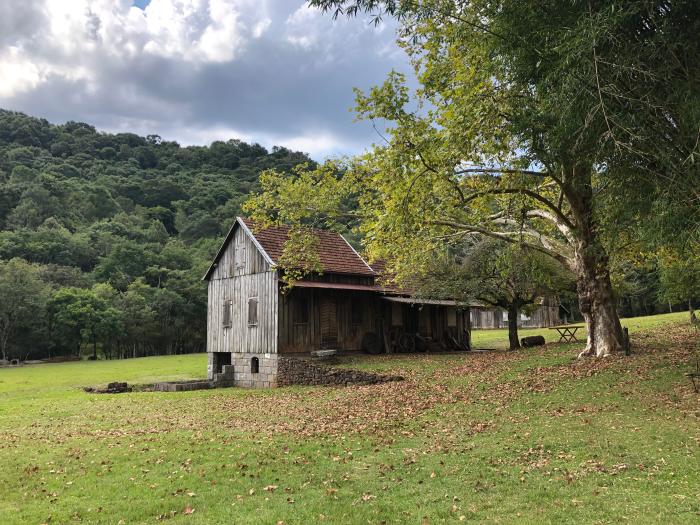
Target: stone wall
{"points": [[303, 371], [243, 375]]}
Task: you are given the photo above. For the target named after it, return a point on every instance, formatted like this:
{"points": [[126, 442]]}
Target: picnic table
{"points": [[567, 332]]}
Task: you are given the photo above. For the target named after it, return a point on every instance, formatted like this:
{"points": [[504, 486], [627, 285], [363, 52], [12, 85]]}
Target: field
{"points": [[532, 436]]}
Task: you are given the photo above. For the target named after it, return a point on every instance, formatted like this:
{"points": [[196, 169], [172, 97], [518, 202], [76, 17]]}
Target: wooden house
{"points": [[544, 314], [256, 328]]}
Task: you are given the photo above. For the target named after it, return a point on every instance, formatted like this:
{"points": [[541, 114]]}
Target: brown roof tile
{"points": [[335, 254]]}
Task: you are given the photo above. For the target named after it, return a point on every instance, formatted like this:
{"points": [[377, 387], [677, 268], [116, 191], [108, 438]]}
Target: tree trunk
{"points": [[4, 338], [513, 327], [591, 266]]}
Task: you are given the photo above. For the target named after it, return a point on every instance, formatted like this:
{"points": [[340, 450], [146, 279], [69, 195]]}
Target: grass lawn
{"points": [[532, 436], [498, 338]]}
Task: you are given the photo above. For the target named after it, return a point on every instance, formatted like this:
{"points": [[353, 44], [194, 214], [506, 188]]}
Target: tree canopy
{"points": [[111, 233]]}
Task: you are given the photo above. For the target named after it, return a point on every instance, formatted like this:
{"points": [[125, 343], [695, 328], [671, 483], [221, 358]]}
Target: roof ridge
{"points": [[355, 252]]}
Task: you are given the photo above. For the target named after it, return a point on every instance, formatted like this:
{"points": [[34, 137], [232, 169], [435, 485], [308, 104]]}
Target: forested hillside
{"points": [[104, 237]]}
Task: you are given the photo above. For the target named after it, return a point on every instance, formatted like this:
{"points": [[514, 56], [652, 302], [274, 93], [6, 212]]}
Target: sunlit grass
{"points": [[498, 338]]}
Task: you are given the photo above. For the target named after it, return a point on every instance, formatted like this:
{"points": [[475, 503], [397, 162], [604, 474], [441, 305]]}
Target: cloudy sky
{"points": [[269, 71]]}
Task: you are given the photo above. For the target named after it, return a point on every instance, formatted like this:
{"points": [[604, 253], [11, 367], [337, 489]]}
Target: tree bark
{"points": [[591, 267], [3, 346], [513, 327]]}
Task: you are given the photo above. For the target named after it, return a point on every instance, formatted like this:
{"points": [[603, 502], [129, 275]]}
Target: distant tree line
{"points": [[104, 237]]}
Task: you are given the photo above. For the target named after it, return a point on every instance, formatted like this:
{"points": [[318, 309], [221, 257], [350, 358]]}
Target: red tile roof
{"points": [[335, 253]]}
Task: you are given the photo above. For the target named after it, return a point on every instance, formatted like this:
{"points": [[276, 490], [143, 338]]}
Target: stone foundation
{"points": [[240, 372], [244, 376], [284, 370]]}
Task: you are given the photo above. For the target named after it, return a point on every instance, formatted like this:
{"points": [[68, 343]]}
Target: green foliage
{"points": [[119, 229], [495, 273], [553, 125], [300, 256], [679, 275], [23, 297]]}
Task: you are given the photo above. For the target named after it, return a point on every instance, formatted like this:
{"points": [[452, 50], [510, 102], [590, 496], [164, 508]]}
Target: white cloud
{"points": [[302, 27], [309, 29], [17, 73], [71, 36], [270, 71], [202, 30]]}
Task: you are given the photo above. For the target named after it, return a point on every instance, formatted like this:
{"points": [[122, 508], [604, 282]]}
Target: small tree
{"points": [[86, 315], [499, 275], [679, 276], [23, 298]]}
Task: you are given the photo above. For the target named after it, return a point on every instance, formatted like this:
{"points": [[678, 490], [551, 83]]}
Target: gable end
{"points": [[229, 238]]}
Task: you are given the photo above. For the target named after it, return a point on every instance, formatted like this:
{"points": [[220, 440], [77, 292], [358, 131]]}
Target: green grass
{"points": [[498, 338], [532, 436]]}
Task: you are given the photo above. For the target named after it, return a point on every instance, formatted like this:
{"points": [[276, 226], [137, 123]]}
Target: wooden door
{"points": [[329, 323]]}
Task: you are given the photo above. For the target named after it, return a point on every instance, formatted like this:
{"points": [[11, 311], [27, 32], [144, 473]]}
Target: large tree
{"points": [[521, 120]]}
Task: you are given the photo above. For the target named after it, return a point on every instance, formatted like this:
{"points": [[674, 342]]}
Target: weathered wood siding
{"points": [[433, 321], [377, 314], [242, 274], [296, 336], [241, 257], [542, 316]]}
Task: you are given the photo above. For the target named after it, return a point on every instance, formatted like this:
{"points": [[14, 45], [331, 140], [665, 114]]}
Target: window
{"points": [[253, 311], [301, 313], [357, 314], [254, 365], [226, 317]]}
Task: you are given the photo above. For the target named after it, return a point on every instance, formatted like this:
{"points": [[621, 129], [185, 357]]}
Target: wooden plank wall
{"points": [[433, 320], [253, 278], [543, 316], [303, 337], [295, 337], [243, 251]]}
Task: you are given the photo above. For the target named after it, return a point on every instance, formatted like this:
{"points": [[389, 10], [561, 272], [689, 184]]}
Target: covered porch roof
{"points": [[389, 293]]}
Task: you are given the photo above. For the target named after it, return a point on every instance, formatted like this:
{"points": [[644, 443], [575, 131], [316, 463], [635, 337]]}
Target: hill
{"points": [[110, 233]]}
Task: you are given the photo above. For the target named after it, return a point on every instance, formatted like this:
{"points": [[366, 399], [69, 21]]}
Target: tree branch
{"points": [[563, 228], [470, 228], [529, 193]]}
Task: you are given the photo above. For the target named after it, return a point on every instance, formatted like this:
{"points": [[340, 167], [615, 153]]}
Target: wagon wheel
{"points": [[407, 343], [372, 343], [422, 343]]}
